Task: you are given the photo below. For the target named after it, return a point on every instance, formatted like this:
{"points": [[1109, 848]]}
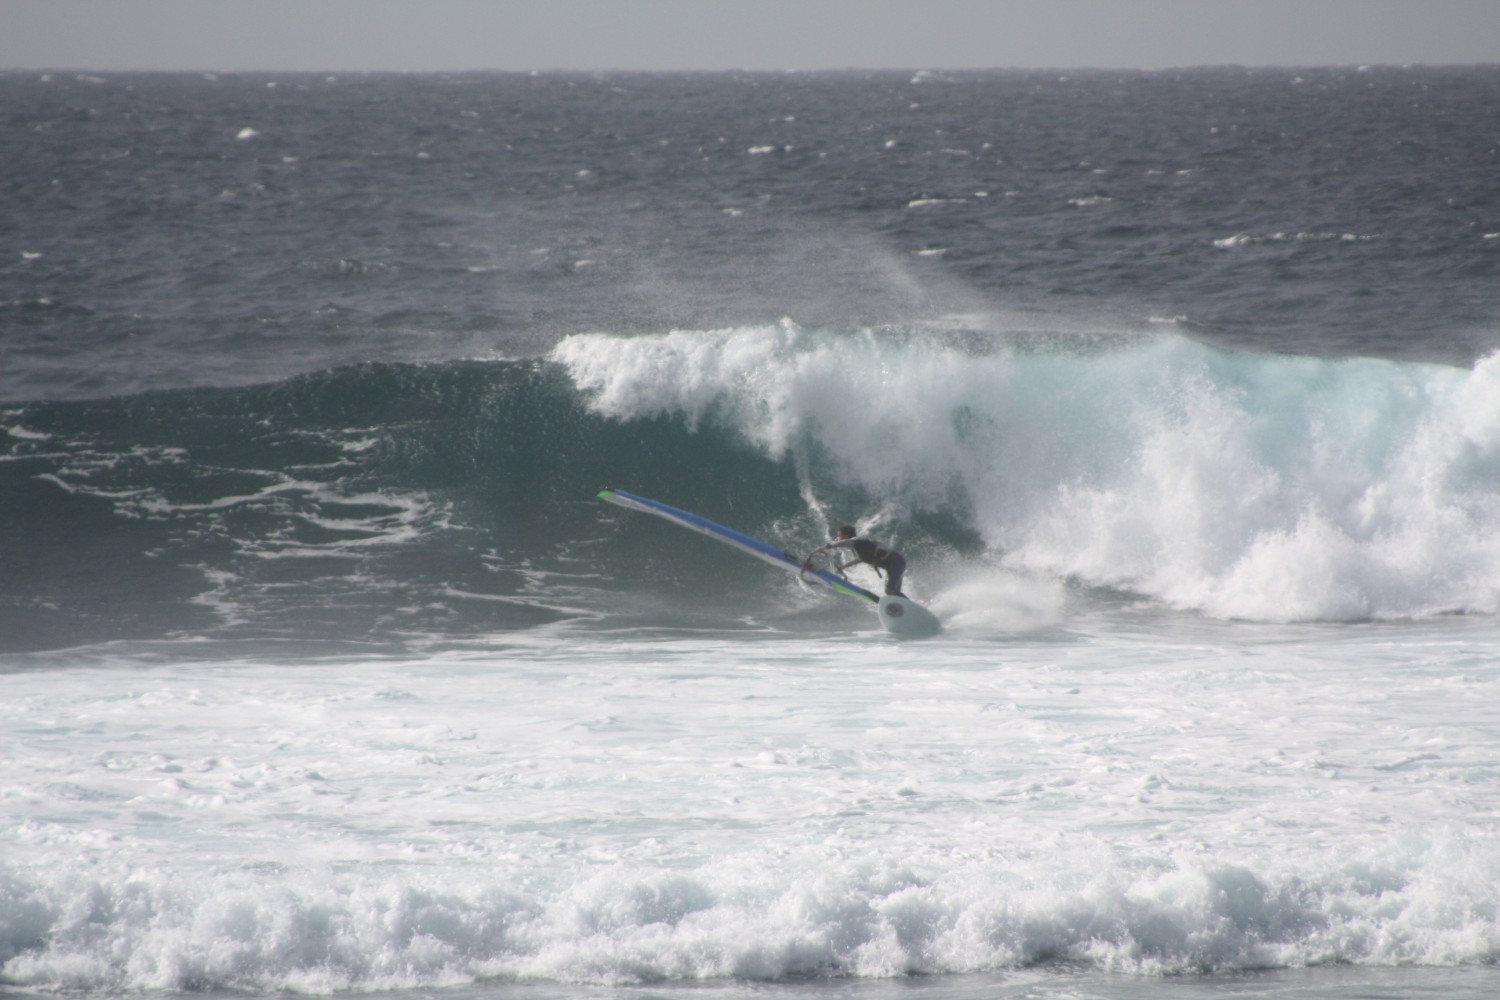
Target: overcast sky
{"points": [[348, 35]]}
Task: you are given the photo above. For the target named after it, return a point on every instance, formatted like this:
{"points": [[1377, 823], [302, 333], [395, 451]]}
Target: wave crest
{"points": [[1265, 487]]}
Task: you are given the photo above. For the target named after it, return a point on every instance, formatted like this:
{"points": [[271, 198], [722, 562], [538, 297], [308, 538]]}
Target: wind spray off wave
{"points": [[1263, 487]]}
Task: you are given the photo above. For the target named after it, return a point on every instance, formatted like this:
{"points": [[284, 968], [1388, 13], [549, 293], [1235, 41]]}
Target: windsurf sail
{"points": [[747, 544]]}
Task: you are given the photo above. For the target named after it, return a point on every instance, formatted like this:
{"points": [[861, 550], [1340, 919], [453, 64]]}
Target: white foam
{"points": [[630, 811], [1263, 487], [997, 602]]}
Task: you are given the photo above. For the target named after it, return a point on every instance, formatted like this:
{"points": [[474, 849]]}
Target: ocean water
{"points": [[322, 669]]}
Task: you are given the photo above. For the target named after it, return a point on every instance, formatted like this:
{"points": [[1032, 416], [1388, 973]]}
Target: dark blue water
{"points": [[165, 231]]}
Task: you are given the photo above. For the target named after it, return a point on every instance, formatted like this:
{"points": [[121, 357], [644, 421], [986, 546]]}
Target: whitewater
{"points": [[648, 810], [324, 671]]}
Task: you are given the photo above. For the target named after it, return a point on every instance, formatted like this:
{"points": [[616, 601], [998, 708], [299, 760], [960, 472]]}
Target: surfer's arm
{"points": [[839, 544], [843, 543]]}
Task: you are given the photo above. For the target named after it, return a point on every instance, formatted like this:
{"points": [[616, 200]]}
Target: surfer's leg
{"points": [[895, 569]]}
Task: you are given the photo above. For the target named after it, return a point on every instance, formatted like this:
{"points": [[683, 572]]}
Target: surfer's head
{"points": [[846, 532]]}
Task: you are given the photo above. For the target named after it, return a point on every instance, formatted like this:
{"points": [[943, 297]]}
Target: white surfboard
{"points": [[898, 615], [905, 617]]}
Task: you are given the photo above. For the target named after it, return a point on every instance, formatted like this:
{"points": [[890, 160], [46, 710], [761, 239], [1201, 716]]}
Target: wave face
{"points": [[1243, 486], [377, 501]]}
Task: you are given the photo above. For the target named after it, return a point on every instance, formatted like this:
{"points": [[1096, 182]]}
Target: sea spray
{"points": [[1267, 487]]}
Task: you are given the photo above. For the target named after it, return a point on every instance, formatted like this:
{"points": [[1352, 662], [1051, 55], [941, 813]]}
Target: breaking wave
{"points": [[384, 499]]}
